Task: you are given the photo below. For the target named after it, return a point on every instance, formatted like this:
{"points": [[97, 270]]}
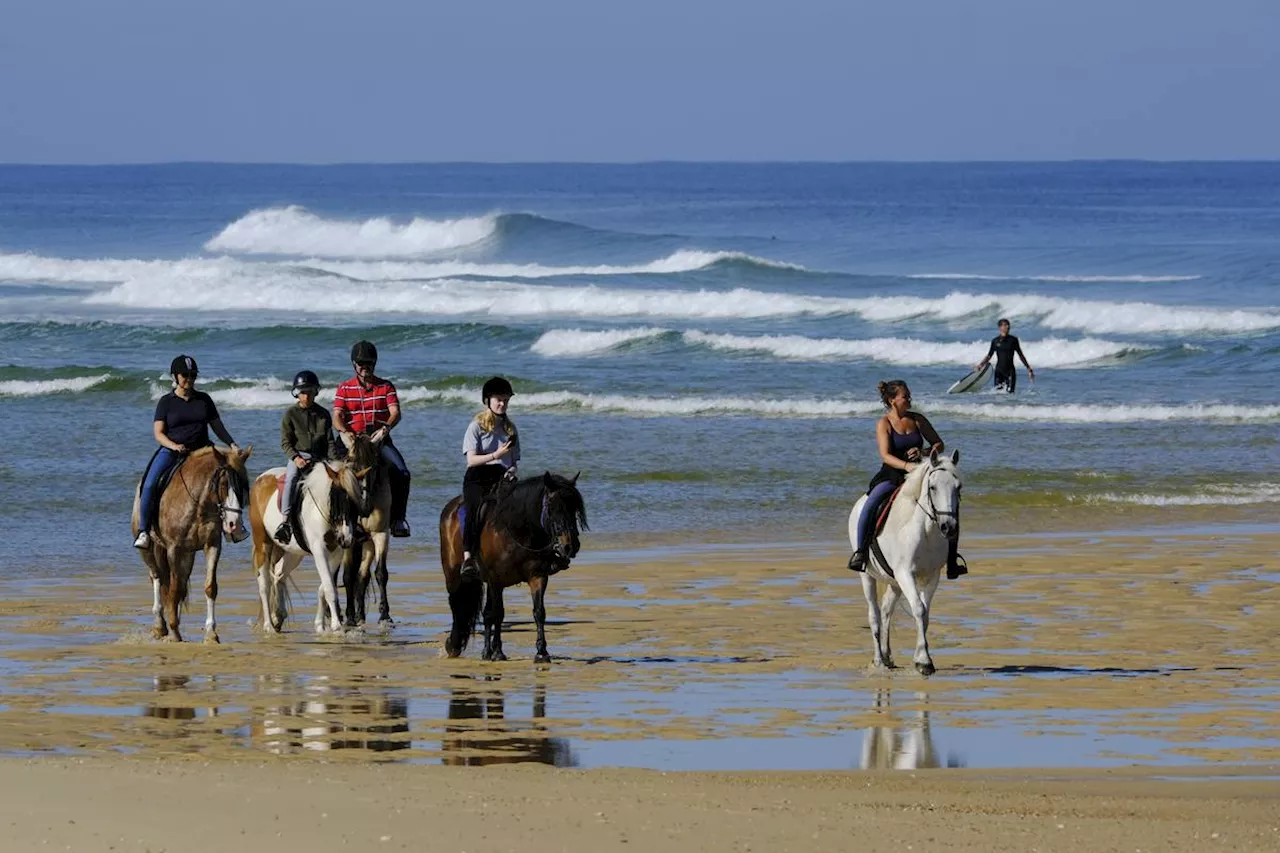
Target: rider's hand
{"points": [[911, 466], [504, 449], [181, 448], [379, 435], [301, 462], [913, 454], [510, 474]]}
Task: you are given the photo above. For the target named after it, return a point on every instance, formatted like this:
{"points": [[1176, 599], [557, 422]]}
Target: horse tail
{"points": [[465, 602]]}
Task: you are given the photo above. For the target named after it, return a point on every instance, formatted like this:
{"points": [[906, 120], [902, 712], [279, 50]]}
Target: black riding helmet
{"points": [[305, 380], [183, 364], [362, 352], [497, 386]]}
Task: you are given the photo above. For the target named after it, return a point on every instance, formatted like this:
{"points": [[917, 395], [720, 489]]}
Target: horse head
{"points": [[366, 454], [564, 512], [941, 498], [346, 494], [231, 490]]}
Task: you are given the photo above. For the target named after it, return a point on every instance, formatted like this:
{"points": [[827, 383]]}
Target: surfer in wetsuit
{"points": [[1003, 347]]}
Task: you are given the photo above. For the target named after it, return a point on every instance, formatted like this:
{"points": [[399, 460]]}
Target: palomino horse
{"points": [[204, 500], [530, 534], [368, 556], [923, 519], [328, 495]]}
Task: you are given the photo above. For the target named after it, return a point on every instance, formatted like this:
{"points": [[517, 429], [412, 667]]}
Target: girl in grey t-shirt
{"points": [[492, 447]]}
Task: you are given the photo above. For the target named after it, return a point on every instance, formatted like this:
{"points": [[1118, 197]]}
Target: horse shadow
{"points": [[905, 744], [479, 733]]}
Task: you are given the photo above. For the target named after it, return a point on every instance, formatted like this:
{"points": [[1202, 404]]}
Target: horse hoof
{"points": [[211, 638], [542, 657], [496, 657], [159, 632], [926, 669], [449, 649], [386, 622]]}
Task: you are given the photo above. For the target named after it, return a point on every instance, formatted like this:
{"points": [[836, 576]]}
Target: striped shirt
{"points": [[366, 410]]}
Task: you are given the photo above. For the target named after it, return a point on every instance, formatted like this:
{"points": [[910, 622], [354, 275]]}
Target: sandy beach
{"points": [[1094, 692]]}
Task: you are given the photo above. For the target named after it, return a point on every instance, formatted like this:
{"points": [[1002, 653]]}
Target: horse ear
{"points": [[547, 480], [955, 458], [933, 454], [574, 481], [246, 452], [362, 473]]}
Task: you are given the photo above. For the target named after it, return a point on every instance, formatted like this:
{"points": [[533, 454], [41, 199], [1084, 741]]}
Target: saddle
{"points": [[161, 485], [295, 521], [882, 516]]}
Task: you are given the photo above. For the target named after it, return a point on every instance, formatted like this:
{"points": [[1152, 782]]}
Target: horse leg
{"points": [[920, 612], [380, 576], [869, 592], [180, 563], [328, 588], [268, 618], [158, 569], [280, 572], [211, 554], [888, 605], [493, 615], [537, 591], [352, 559]]}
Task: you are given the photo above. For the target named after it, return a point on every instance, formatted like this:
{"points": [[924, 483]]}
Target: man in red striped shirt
{"points": [[368, 404]]}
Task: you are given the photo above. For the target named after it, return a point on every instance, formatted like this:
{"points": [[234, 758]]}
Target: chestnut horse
{"points": [[367, 558], [206, 498], [530, 533]]}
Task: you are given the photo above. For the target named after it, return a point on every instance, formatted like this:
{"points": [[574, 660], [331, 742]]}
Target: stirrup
{"points": [[858, 562], [960, 568], [400, 529], [284, 533]]}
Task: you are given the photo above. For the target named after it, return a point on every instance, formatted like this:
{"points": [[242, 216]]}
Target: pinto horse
{"points": [[912, 552], [205, 500], [530, 534], [328, 495], [367, 558]]}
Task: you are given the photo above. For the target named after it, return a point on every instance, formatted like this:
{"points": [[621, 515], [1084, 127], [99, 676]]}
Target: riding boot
{"points": [[470, 569], [399, 505], [858, 562], [143, 540], [956, 565]]}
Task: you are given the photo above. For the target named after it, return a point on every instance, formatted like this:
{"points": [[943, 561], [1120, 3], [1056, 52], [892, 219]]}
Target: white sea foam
{"points": [[1242, 495], [216, 284], [1050, 352], [42, 387], [1095, 414], [576, 342], [684, 260], [1083, 279], [295, 231]]}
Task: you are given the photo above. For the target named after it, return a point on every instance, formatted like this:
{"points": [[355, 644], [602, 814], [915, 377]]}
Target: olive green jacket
{"points": [[306, 430]]}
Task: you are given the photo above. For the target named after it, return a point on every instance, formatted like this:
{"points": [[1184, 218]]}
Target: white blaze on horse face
{"points": [[944, 493], [233, 516]]}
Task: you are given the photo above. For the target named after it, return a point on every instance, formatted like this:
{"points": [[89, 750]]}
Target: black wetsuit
{"points": [[1004, 347]]}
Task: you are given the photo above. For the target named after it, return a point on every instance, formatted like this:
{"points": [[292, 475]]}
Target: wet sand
{"points": [[1064, 662], [126, 804]]}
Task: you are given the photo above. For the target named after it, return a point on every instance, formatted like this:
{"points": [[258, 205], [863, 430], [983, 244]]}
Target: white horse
{"points": [[327, 500], [923, 520]]}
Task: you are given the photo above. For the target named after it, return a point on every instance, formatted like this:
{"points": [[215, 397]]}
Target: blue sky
{"points": [[571, 80]]}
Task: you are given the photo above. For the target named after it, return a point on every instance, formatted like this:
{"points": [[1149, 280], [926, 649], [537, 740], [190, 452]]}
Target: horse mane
{"points": [[904, 506], [522, 504]]}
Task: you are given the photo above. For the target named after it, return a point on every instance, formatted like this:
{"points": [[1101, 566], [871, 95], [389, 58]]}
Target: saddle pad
{"points": [[884, 512], [279, 491]]}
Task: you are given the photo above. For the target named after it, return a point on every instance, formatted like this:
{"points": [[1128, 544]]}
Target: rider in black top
{"points": [[1003, 347]]}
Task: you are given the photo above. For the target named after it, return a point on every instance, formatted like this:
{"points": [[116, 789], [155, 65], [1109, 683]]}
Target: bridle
{"points": [[233, 484], [553, 532], [932, 510]]}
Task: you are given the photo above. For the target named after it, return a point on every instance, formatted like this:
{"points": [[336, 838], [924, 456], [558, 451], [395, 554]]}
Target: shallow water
{"points": [[678, 671]]}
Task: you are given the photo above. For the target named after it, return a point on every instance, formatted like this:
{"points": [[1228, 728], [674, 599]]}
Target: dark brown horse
{"points": [[530, 533]]}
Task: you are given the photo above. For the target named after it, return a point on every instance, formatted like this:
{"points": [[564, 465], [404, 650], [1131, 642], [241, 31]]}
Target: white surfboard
{"points": [[972, 382]]}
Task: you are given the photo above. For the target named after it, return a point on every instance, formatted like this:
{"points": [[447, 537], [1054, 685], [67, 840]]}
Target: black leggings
{"points": [[478, 484]]}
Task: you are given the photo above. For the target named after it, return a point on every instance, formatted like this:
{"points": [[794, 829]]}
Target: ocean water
{"points": [[702, 342]]}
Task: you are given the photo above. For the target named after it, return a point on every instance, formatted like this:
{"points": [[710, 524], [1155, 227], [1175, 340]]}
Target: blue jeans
{"points": [[867, 519], [290, 477], [399, 481], [164, 461]]}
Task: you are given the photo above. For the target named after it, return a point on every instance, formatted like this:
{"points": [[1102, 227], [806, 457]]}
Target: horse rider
{"points": [[305, 437], [492, 448], [181, 424], [368, 404], [900, 436]]}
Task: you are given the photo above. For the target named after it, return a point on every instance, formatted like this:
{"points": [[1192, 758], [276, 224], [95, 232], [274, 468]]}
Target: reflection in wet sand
{"points": [[168, 704], [319, 715], [903, 744], [480, 734]]}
